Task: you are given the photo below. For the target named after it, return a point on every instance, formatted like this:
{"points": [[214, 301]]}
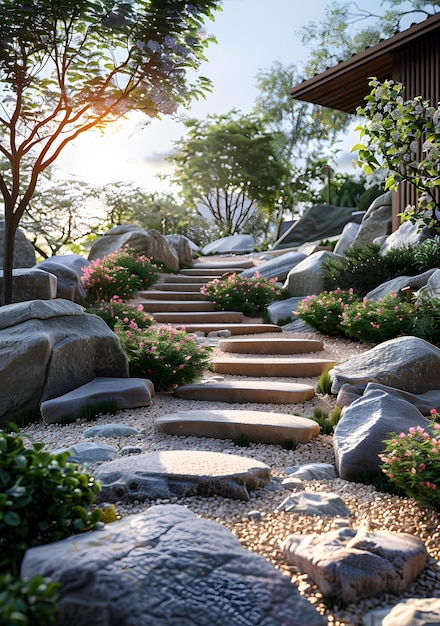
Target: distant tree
{"points": [[61, 214], [335, 38], [69, 66], [230, 165]]}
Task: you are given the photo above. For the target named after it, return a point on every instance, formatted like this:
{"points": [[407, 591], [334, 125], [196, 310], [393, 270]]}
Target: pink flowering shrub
{"points": [[251, 295], [122, 273], [373, 321], [412, 461], [324, 311], [119, 311], [167, 356]]}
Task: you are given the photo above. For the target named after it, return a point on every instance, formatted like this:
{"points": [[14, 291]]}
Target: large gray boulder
{"points": [[31, 284], [148, 242], [24, 251], [407, 363], [165, 567], [376, 222], [234, 244], [353, 564], [305, 279], [182, 246], [68, 271], [407, 234], [50, 347], [365, 424], [347, 237], [400, 282], [278, 267]]}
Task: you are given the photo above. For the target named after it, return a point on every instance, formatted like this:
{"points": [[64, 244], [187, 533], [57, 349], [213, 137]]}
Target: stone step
{"points": [[270, 345], [226, 265], [158, 294], [175, 306], [183, 287], [241, 391], [212, 272], [272, 366], [235, 329], [189, 317], [180, 278], [257, 426]]}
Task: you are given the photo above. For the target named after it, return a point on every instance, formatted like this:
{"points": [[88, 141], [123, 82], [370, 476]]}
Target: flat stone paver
{"points": [[180, 473], [271, 345], [127, 393], [159, 294], [175, 306], [190, 317], [247, 391], [272, 366], [212, 272], [258, 426], [180, 278], [240, 263], [194, 287], [235, 328]]}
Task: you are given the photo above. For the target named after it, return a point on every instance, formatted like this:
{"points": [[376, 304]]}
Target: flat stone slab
{"points": [[213, 272], [195, 288], [180, 278], [127, 393], [159, 294], [272, 366], [235, 328], [175, 306], [271, 345], [167, 567], [258, 426], [180, 473], [247, 391], [188, 317]]}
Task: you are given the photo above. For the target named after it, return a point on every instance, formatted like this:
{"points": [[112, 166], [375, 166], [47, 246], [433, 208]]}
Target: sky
{"points": [[251, 35]]}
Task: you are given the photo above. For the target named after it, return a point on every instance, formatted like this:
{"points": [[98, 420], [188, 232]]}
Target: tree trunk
{"points": [[8, 259]]}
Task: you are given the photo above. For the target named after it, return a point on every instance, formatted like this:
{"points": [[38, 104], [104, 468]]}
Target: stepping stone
{"points": [[184, 318], [165, 306], [127, 393], [257, 426], [158, 294], [238, 263], [180, 473], [183, 287], [272, 367], [261, 345], [212, 272], [247, 391], [236, 329], [179, 278]]}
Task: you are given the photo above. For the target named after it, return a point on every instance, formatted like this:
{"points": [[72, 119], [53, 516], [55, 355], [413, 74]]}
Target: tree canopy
{"points": [[67, 66], [229, 164]]}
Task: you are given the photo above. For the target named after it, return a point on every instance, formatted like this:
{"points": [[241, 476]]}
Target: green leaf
{"points": [[11, 519]]}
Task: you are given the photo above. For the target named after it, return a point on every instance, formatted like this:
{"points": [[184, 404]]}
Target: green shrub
{"points": [[251, 295], [363, 268], [43, 498], [411, 461], [31, 602], [427, 254], [119, 311], [372, 321], [321, 417], [122, 274], [323, 312], [167, 356], [324, 384]]}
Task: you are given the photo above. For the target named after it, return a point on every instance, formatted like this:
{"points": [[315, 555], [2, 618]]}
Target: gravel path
{"points": [[368, 508]]}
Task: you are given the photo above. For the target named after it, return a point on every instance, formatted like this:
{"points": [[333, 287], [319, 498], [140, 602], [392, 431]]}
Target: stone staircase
{"points": [[176, 299]]}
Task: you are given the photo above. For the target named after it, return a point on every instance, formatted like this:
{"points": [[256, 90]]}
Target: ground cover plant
{"points": [[250, 295], [167, 356], [122, 273], [412, 461], [43, 498]]}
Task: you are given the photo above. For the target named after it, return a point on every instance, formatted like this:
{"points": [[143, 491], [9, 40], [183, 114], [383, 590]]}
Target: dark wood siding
{"points": [[417, 67]]}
